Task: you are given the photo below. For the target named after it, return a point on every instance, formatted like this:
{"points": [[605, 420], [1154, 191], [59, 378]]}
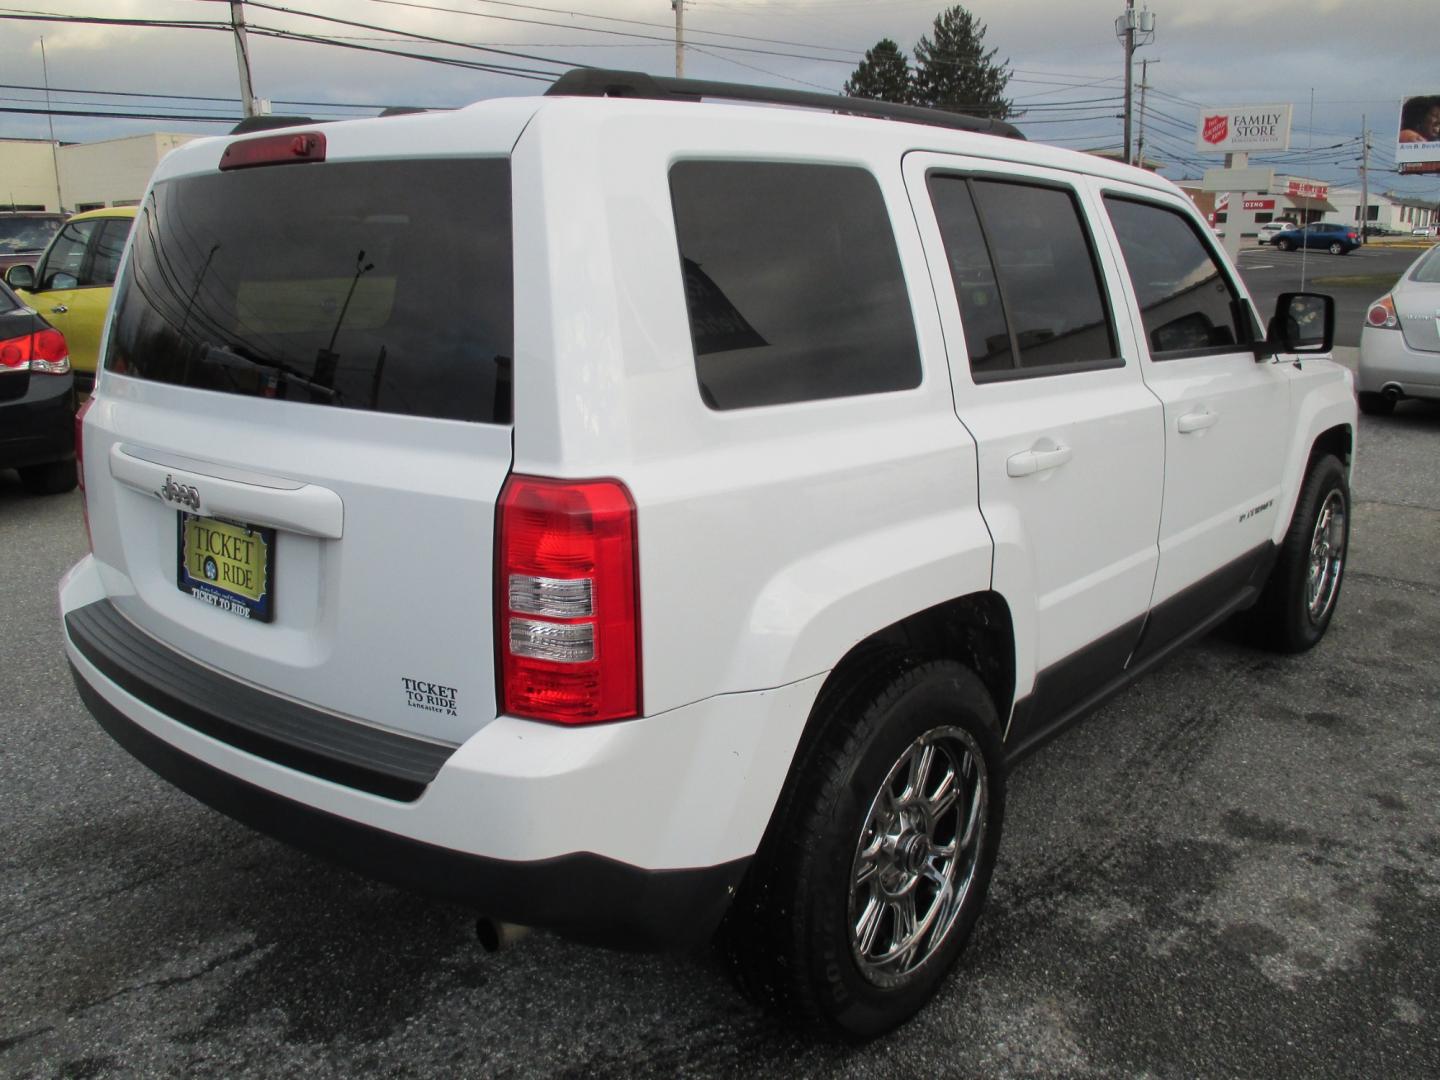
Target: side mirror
{"points": [[1303, 323], [21, 276]]}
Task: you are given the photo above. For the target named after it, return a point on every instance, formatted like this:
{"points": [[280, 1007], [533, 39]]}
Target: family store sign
{"points": [[1241, 128]]}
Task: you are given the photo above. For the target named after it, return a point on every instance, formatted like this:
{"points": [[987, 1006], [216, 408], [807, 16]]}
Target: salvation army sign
{"points": [[1242, 128]]}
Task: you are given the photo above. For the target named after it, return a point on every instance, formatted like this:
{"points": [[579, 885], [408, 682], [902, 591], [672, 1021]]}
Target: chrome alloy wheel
{"points": [[1327, 557], [916, 858]]}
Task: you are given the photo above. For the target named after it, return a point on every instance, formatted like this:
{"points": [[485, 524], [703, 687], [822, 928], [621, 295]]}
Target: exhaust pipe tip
{"points": [[1392, 391], [494, 935]]}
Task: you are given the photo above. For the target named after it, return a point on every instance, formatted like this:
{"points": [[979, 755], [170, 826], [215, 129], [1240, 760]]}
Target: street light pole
{"points": [[1364, 177]]}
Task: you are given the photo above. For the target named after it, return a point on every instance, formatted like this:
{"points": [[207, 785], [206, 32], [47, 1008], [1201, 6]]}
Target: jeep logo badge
{"points": [[184, 494]]}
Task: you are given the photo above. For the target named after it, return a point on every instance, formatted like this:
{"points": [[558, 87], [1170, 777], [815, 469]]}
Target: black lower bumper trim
{"points": [[382, 762], [583, 896]]}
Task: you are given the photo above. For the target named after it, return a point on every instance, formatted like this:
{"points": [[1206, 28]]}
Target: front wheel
{"points": [[1285, 245], [1299, 600], [880, 854]]}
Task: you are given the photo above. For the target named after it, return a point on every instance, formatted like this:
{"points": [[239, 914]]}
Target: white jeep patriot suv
{"points": [[642, 517]]}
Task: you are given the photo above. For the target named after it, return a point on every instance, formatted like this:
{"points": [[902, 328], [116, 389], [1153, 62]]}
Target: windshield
{"points": [[23, 235], [366, 285]]}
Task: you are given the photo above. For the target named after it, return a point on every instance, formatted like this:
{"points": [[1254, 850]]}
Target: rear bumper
{"points": [[1386, 360], [582, 895], [632, 835], [38, 427]]}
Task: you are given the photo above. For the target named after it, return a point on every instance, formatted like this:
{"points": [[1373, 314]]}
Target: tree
{"points": [[884, 75], [953, 70]]}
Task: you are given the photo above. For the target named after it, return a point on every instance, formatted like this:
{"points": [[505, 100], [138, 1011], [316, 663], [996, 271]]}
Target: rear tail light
{"points": [[80, 466], [1382, 315], [567, 600], [43, 353]]}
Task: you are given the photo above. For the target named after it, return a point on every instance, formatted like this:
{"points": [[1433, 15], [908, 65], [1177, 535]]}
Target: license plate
{"points": [[228, 565]]}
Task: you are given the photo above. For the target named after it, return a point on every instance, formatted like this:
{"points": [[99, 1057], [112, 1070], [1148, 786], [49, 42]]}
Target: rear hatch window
{"points": [[383, 286]]}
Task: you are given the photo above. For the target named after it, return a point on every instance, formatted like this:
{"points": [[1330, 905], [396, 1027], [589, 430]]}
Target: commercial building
{"points": [[36, 175], [1397, 213]]}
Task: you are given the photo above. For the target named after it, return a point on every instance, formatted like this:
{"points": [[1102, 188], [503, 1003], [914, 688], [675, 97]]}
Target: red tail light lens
{"points": [[567, 598], [43, 352], [80, 466], [1382, 315]]}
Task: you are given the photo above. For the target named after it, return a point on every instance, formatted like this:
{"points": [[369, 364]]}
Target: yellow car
{"points": [[72, 284]]}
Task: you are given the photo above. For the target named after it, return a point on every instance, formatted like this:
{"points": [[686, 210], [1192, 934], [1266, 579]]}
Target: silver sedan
{"points": [[1400, 342]]}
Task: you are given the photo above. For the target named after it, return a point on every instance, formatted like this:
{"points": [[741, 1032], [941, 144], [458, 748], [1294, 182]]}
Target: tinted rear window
{"points": [[793, 283], [368, 285]]}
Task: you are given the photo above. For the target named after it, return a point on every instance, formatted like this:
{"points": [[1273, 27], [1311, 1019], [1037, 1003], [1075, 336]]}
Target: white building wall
{"points": [[114, 172], [27, 174]]}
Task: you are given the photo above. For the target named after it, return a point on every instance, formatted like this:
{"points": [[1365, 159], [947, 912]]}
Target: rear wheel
{"points": [[1337, 248], [1376, 404], [880, 854], [52, 478], [1299, 599]]}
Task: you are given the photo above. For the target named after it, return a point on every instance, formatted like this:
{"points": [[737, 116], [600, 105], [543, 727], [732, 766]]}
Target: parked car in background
{"points": [[1424, 230], [72, 281], [1336, 239], [1400, 342], [1271, 229], [24, 235], [37, 400], [1381, 230]]}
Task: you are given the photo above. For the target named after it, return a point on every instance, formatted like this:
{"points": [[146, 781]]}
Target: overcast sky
{"points": [[1357, 57]]}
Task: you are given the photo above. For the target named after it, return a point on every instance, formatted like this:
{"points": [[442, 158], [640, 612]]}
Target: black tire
{"points": [[1285, 245], [1376, 404], [1338, 248], [1293, 611], [791, 934], [52, 478]]}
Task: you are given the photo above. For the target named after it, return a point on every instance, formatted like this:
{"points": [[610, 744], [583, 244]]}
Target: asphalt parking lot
{"points": [[1233, 869]]}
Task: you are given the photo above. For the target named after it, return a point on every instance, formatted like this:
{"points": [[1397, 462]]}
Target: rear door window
{"points": [[383, 286], [109, 244], [792, 283], [1025, 276]]}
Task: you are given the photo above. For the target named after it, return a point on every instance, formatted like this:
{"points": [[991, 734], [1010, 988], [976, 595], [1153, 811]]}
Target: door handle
{"points": [[59, 309], [1197, 421], [1030, 462]]}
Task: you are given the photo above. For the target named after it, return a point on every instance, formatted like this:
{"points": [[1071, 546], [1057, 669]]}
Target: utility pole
{"points": [[1364, 177], [1144, 85], [1129, 66], [679, 6], [242, 57], [1133, 29]]}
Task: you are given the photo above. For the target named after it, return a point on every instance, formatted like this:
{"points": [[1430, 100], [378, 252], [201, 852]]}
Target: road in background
{"points": [[1354, 280], [1232, 869]]}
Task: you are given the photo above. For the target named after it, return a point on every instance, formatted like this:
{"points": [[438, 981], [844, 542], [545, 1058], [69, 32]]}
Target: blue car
{"points": [[1336, 239]]}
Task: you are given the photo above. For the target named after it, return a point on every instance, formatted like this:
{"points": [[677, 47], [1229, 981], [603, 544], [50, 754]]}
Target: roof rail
{"points": [[599, 82], [267, 122]]}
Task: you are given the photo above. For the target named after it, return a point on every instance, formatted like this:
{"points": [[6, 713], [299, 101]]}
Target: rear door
{"points": [[1227, 416], [303, 427], [1069, 438]]}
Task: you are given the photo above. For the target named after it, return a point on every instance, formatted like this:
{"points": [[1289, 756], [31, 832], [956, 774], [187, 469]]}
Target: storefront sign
{"points": [[1241, 128], [1259, 204], [1307, 189]]}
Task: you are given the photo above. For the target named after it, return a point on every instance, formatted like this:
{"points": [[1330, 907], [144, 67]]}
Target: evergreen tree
{"points": [[953, 70], [884, 75]]}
